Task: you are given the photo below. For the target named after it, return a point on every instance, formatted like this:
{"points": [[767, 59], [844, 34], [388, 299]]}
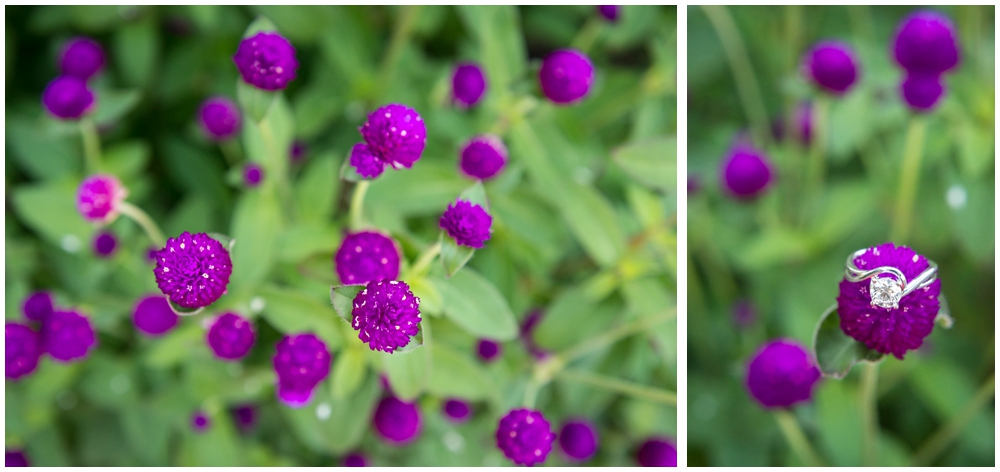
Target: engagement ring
{"points": [[887, 290]]}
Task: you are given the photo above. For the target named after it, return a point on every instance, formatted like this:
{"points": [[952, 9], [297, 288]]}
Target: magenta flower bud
{"points": [[457, 410], [245, 417], [925, 43], [889, 330], [746, 172], [803, 119], [657, 452], [231, 336], [397, 421], [355, 459], [81, 58], [67, 98], [386, 315], [301, 361], [395, 134], [781, 374], [67, 335], [921, 92], [298, 151], [525, 437], [105, 243], [483, 157], [468, 84], [253, 173], [488, 350], [37, 306], [151, 254], [220, 118], [366, 256], [266, 60], [193, 270], [609, 12], [468, 223], [527, 333], [566, 76], [578, 440], [832, 65], [99, 197], [200, 421], [22, 348], [744, 314], [15, 459], [367, 164], [153, 317]]}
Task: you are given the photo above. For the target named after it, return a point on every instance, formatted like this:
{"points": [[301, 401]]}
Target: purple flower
{"points": [[22, 349], [200, 421], [366, 163], [245, 417], [566, 76], [153, 316], [468, 83], [921, 92], [220, 118], [81, 58], [657, 452], [528, 326], [67, 335], [298, 151], [457, 410], [746, 172], [99, 197], [301, 361], [231, 336], [525, 437], [744, 314], [468, 223], [37, 306], [578, 439], [609, 12], [355, 459], [266, 60], [15, 459], [151, 254], [483, 157], [832, 65], [366, 256], [253, 173], [105, 243], [489, 350], [397, 421], [395, 134], [67, 98], [891, 330], [925, 43], [803, 119], [781, 374], [386, 314], [193, 270]]}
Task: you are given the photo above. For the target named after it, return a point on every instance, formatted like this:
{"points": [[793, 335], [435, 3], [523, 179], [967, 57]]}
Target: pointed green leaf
{"points": [[457, 374], [407, 371], [261, 23], [297, 312], [476, 194], [226, 241], [835, 351], [477, 306], [342, 298], [256, 225], [343, 422], [254, 101], [651, 162], [348, 372], [453, 255]]}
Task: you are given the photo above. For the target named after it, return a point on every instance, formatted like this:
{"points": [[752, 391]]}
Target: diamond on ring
{"points": [[885, 292]]}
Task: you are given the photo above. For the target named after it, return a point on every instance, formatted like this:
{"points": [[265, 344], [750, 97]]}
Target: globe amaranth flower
{"points": [[483, 157], [746, 172], [468, 84], [355, 459], [220, 118], [457, 410], [368, 165], [781, 374], [67, 335], [488, 350], [832, 65], [297, 153], [266, 60], [99, 197], [193, 270], [395, 134], [397, 421], [67, 98], [200, 421], [105, 244], [889, 330], [525, 437], [609, 12], [744, 313], [245, 417], [527, 333], [15, 459], [231, 336], [38, 306], [366, 256], [386, 315], [925, 43], [152, 315], [578, 439], [657, 452], [566, 76], [22, 349], [921, 91], [81, 58], [802, 119], [468, 223], [301, 361], [253, 174]]}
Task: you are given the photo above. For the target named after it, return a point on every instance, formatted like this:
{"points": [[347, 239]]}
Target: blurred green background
{"points": [[785, 251]]}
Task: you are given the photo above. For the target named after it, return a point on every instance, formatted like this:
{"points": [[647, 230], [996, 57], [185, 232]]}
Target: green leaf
{"points": [[407, 371], [348, 372], [342, 298], [41, 155], [501, 44], [343, 429], [255, 102], [430, 297], [317, 190], [113, 105], [426, 189], [476, 306], [256, 226], [182, 311], [772, 247], [137, 49], [652, 162], [301, 241], [293, 312], [453, 255], [572, 316], [834, 350], [50, 209], [126, 160], [176, 346], [300, 23], [457, 375], [476, 194], [261, 23]]}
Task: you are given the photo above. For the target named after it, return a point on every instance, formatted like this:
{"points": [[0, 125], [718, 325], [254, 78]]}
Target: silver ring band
{"points": [[853, 274]]}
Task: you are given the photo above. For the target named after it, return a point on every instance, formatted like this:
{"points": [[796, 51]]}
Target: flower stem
{"points": [[612, 336], [588, 34], [400, 35], [797, 438], [908, 178], [628, 388], [91, 145], [944, 436], [531, 393], [147, 223], [357, 204], [425, 259], [231, 151], [817, 154], [869, 414]]}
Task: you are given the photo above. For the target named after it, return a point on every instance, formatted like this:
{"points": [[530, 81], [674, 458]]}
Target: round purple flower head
{"points": [[22, 350], [245, 417], [609, 12], [566, 76], [253, 173], [67, 335], [67, 98], [386, 314], [231, 336], [355, 459], [266, 60], [803, 120], [367, 164], [925, 43], [483, 157], [366, 256], [193, 270], [301, 361], [200, 421], [889, 330], [37, 306], [15, 459], [220, 118], [744, 313], [921, 92], [105, 244], [746, 172], [395, 134], [81, 58], [396, 420], [298, 151], [832, 65], [457, 410], [488, 350], [99, 197], [781, 374], [527, 333], [525, 437], [578, 439], [468, 83], [657, 452], [153, 316], [468, 223]]}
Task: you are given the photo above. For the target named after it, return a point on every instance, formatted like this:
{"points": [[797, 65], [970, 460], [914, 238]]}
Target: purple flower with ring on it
{"points": [[220, 118], [99, 197], [105, 244], [746, 172], [38, 306], [525, 437], [921, 92], [67, 98], [366, 256], [266, 60], [657, 452], [153, 316], [355, 459], [832, 65], [609, 12], [395, 134], [301, 361], [386, 315], [578, 440], [468, 223], [200, 421], [488, 350], [397, 421], [67, 335], [15, 459], [781, 374], [457, 410], [483, 157], [468, 84], [22, 348], [253, 174], [231, 336], [81, 57], [925, 43], [245, 417], [193, 270], [566, 76], [368, 165]]}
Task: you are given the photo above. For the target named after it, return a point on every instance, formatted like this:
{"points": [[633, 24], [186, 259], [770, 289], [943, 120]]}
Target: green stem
{"points": [[231, 151], [869, 414], [147, 223], [357, 204], [91, 145], [424, 261], [797, 438], [817, 156], [400, 35], [635, 390], [612, 336], [531, 393], [585, 39], [944, 436], [908, 180]]}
